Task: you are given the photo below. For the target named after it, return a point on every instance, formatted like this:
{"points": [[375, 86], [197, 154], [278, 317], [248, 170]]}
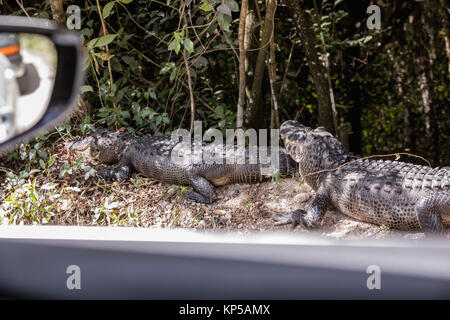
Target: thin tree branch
{"points": [[242, 53]]}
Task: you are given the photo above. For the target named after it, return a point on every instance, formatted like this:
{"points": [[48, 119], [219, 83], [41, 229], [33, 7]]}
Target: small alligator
{"points": [[151, 156], [395, 194]]}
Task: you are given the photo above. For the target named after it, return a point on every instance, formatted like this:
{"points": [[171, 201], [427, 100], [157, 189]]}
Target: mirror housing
{"points": [[68, 77]]}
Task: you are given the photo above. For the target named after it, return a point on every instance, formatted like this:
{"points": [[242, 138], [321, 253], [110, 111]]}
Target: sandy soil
{"points": [[252, 207]]}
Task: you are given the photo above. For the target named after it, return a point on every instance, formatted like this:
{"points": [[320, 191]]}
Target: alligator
{"points": [[395, 194], [152, 156]]}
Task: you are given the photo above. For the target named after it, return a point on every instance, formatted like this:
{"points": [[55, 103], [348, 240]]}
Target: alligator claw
{"points": [[197, 197], [294, 219], [104, 174], [113, 174]]}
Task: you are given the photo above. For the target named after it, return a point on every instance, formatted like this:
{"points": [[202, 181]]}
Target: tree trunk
{"points": [[400, 78], [247, 43], [242, 54], [188, 73], [316, 69], [255, 111], [446, 31], [272, 71], [422, 61], [58, 12], [400, 62]]}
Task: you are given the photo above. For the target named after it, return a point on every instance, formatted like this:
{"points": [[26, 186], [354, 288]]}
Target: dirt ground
{"points": [[252, 207]]}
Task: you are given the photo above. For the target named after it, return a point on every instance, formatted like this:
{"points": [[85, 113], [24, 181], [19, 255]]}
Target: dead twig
{"points": [[397, 155]]}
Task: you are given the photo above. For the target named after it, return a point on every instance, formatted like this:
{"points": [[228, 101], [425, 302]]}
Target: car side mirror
{"points": [[40, 77]]}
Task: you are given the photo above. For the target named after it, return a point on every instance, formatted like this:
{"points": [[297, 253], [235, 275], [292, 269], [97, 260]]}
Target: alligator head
{"points": [[316, 150], [106, 145]]}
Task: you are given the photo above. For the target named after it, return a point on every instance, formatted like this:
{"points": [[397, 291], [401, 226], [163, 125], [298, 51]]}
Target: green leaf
{"points": [[177, 47], [148, 112], [200, 62], [32, 154], [34, 195], [367, 39], [51, 161], [189, 45], [126, 1], [130, 61], [86, 88], [150, 93], [173, 75], [103, 55], [172, 44], [101, 41], [87, 32], [24, 174], [125, 114], [234, 6], [49, 185], [158, 120], [224, 21], [169, 66], [42, 163], [42, 154], [62, 173], [219, 111], [107, 9], [205, 6], [33, 171], [225, 9]]}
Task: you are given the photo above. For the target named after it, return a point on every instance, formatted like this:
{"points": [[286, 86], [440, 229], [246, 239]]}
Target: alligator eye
{"points": [[95, 151]]}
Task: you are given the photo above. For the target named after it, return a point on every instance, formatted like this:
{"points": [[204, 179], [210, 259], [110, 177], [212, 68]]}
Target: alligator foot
{"points": [[197, 197], [294, 219], [117, 174]]}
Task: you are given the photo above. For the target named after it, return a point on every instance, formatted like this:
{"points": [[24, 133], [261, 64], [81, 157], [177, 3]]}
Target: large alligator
{"points": [[391, 193], [152, 156]]}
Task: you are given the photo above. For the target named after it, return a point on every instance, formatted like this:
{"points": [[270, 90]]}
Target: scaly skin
{"points": [[151, 156], [392, 193]]}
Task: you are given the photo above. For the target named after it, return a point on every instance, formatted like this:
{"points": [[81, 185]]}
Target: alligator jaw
{"points": [[81, 145]]}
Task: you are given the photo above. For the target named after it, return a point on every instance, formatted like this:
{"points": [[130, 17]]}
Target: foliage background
{"points": [[136, 75]]}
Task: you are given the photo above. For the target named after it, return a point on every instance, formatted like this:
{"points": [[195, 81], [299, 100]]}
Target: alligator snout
{"points": [[81, 145]]}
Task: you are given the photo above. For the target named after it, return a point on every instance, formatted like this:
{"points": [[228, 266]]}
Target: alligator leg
{"points": [[197, 197], [430, 211], [202, 177], [294, 218], [203, 191], [312, 217], [121, 172]]}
